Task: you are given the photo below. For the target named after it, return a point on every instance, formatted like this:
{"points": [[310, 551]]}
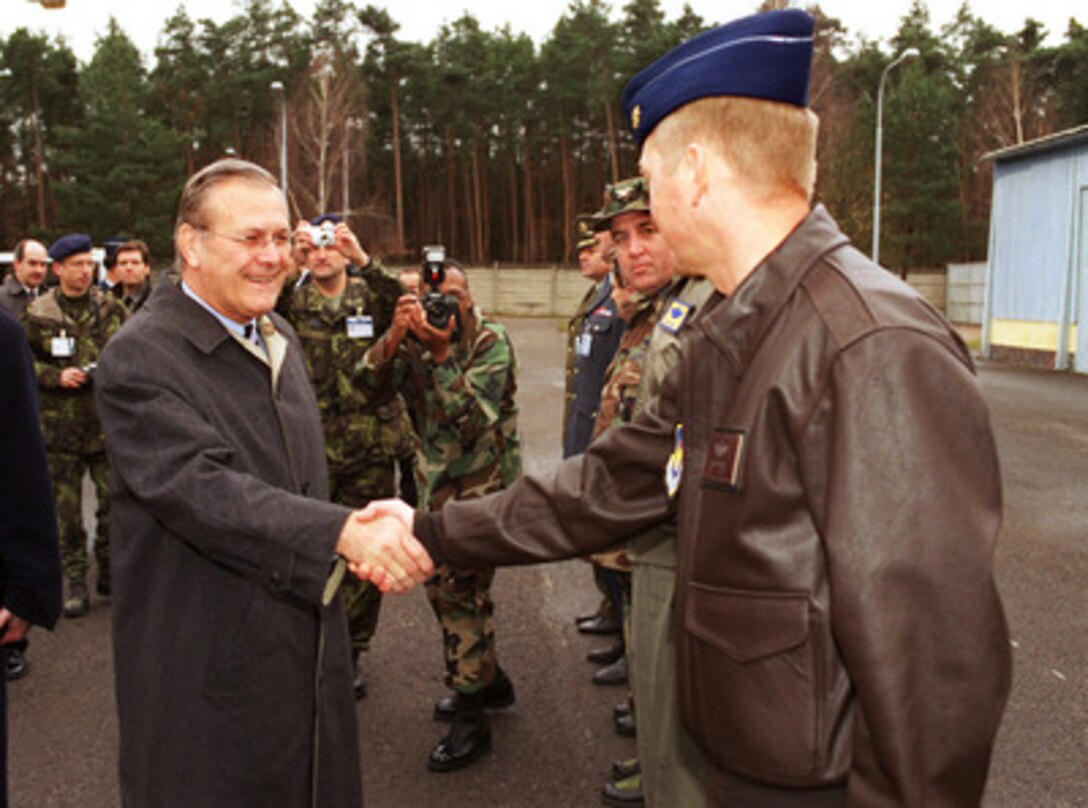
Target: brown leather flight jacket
{"points": [[839, 634]]}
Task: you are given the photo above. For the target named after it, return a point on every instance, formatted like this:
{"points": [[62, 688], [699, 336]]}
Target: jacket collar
{"points": [[738, 324]]}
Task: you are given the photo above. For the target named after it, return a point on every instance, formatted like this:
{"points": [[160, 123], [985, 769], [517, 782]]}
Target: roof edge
{"points": [[1046, 143]]}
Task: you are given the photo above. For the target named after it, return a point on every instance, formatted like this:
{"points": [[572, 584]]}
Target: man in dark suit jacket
{"points": [[230, 649], [29, 558]]}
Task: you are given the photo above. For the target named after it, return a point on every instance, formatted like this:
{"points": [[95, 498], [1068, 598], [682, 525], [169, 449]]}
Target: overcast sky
{"points": [[83, 20]]}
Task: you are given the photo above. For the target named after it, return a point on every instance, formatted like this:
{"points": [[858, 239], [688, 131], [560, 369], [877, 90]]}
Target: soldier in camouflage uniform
{"points": [[338, 318], [464, 378], [67, 328], [648, 265]]}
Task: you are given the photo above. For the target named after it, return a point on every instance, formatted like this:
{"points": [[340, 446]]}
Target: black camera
{"points": [[439, 307]]}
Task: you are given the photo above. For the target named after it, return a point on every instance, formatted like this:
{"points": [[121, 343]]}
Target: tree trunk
{"points": [[451, 195], [39, 173], [514, 243], [613, 146], [470, 211], [477, 206], [530, 210], [398, 182], [1017, 106], [567, 168]]}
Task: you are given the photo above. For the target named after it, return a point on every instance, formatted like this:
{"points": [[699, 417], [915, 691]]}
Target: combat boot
{"points": [[496, 696], [468, 740], [78, 602], [614, 674], [626, 792]]}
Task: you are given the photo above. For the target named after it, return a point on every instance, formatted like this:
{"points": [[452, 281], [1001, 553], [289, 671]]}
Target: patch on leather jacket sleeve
{"points": [[723, 459], [674, 469]]}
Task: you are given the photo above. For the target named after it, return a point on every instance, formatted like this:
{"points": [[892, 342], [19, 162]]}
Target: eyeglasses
{"points": [[254, 242]]}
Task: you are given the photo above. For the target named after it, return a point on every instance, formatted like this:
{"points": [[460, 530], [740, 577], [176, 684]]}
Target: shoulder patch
{"points": [[673, 319]]}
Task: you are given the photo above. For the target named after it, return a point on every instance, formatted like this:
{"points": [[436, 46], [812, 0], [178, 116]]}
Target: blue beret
{"points": [[764, 56], [70, 245], [111, 244], [335, 218]]}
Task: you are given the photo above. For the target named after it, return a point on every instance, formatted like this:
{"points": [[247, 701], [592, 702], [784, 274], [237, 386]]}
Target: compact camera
{"points": [[439, 307], [323, 235]]}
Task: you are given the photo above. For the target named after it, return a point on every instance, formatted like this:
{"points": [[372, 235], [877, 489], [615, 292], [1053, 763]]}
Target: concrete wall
{"points": [[556, 292], [542, 292], [966, 293], [932, 284]]}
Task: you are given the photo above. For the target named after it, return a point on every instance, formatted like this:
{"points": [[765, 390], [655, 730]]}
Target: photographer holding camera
{"points": [[67, 327], [338, 316], [461, 369]]}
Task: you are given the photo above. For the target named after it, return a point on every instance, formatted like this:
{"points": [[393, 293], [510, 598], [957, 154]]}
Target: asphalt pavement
{"points": [[553, 748]]}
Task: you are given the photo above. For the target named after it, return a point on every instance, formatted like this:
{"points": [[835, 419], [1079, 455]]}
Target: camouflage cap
{"points": [[585, 229], [626, 196]]}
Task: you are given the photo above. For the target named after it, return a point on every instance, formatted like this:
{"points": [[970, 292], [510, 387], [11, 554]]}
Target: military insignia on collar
{"points": [[674, 318], [636, 117], [723, 460]]}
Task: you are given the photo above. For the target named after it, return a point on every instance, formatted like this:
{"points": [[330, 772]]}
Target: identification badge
{"points": [[723, 460], [62, 347], [583, 345], [361, 327], [674, 469]]}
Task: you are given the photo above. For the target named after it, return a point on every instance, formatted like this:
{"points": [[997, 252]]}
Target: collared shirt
{"points": [[247, 331]]}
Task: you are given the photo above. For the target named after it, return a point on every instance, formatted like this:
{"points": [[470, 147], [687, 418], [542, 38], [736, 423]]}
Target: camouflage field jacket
{"points": [[69, 332]]}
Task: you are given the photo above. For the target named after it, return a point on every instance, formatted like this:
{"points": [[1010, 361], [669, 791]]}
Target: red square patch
{"points": [[723, 458]]}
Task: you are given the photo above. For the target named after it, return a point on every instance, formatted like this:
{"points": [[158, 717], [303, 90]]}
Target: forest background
{"points": [[486, 142]]}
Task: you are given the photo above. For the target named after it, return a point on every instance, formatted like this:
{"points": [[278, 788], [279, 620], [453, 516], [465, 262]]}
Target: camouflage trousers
{"points": [[355, 487], [67, 472], [462, 603]]}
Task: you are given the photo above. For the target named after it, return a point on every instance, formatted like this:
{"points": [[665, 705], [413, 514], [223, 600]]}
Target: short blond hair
{"points": [[771, 144]]}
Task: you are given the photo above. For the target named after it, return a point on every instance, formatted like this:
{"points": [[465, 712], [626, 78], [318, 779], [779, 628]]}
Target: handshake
{"points": [[379, 546]]}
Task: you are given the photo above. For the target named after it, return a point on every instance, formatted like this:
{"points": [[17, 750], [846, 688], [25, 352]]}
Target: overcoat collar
{"points": [[206, 334]]}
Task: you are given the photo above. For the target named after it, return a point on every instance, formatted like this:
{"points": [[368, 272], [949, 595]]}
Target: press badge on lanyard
{"points": [[583, 344], [62, 347], [361, 327]]}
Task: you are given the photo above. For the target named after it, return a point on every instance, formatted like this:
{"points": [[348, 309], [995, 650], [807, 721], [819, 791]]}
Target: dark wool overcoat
{"points": [[232, 667]]}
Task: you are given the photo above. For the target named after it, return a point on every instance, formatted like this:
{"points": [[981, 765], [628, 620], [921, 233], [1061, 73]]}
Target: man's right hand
{"points": [[399, 511], [380, 547], [72, 378]]}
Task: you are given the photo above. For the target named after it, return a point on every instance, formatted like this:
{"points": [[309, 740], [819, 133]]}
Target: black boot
{"points": [[496, 696], [469, 737], [606, 655]]}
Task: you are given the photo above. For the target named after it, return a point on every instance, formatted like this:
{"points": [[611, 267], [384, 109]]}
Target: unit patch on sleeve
{"points": [[674, 318]]}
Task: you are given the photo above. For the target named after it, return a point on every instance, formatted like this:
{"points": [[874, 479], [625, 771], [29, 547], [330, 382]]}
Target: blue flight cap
{"points": [[70, 245], [765, 56], [335, 218]]}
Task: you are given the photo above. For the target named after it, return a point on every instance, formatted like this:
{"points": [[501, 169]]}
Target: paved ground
{"points": [[554, 747]]}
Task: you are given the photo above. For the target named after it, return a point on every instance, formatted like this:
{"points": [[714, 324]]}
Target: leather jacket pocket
{"points": [[753, 695]]}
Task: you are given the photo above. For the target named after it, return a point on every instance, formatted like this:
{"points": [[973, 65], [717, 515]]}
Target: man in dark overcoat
{"points": [[29, 557], [231, 652]]}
